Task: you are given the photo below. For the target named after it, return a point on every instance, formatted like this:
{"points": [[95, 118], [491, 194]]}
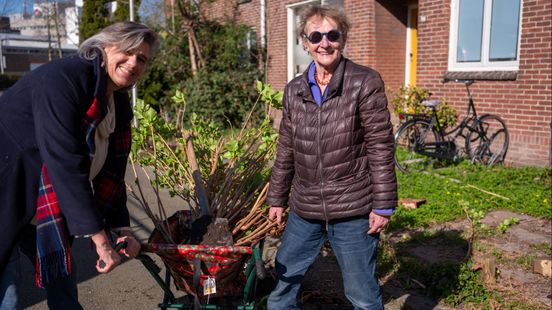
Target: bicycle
{"points": [[422, 141]]}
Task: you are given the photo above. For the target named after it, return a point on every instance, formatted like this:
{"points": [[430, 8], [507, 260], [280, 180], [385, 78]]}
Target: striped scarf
{"points": [[52, 235]]}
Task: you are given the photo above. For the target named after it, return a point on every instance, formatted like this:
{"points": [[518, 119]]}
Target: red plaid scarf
{"points": [[53, 239]]}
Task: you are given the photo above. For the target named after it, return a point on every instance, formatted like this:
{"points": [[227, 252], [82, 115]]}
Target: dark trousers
{"points": [[61, 293]]}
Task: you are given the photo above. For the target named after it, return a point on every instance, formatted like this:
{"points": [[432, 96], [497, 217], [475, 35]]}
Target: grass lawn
{"points": [[447, 191], [526, 190]]}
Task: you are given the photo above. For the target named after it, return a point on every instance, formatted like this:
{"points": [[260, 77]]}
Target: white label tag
{"points": [[209, 286]]}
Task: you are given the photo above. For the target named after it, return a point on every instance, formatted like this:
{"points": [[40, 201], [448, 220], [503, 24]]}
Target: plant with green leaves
{"points": [[234, 167], [221, 89], [469, 288], [504, 225], [269, 95], [408, 100]]}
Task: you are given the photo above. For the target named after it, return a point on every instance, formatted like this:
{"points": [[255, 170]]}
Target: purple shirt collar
{"points": [[315, 90]]}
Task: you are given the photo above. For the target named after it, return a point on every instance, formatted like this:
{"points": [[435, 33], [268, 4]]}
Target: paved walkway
{"points": [[129, 286]]}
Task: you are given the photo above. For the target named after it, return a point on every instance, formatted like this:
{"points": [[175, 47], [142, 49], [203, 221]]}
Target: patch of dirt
{"points": [[514, 251], [322, 287]]}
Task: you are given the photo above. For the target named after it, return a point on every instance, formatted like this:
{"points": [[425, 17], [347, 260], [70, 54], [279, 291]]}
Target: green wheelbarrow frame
{"points": [[254, 270]]}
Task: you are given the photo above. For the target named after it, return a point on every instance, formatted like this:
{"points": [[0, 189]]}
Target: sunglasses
{"points": [[316, 36]]}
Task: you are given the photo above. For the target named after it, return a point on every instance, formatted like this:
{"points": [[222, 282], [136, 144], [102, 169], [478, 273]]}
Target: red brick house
{"points": [[505, 45]]}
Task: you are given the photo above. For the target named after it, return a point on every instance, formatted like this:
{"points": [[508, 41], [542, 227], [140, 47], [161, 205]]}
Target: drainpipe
{"points": [[1, 57], [134, 88], [263, 22]]}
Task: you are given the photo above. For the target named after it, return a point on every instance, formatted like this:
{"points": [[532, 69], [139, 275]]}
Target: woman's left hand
{"points": [[133, 246], [377, 222]]}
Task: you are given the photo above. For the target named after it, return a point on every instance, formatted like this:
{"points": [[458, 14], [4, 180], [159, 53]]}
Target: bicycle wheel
{"points": [[487, 142], [410, 143]]}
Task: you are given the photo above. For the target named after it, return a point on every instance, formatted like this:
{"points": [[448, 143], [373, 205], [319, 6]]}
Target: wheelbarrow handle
{"points": [[196, 175], [259, 265], [120, 245], [117, 248]]}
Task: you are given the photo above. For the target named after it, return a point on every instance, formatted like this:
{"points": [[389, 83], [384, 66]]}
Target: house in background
{"points": [[505, 45]]}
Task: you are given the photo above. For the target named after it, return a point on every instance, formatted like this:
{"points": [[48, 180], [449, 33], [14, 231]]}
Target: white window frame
{"points": [[291, 35], [484, 64]]}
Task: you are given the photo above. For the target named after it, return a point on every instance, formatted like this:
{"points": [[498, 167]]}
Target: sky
{"points": [[16, 6], [13, 6]]}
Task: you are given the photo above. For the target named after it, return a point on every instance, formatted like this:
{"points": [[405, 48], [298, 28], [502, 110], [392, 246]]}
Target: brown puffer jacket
{"points": [[337, 159]]}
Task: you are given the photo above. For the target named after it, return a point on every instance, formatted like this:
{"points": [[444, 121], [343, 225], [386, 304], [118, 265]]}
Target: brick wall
{"points": [[391, 19], [276, 31], [361, 44], [525, 104], [367, 44], [378, 39], [276, 38], [228, 10], [222, 10]]}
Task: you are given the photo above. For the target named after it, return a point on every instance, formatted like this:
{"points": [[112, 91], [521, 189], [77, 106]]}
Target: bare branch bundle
{"points": [[236, 184]]}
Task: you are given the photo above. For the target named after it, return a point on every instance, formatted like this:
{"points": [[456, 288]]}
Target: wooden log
{"points": [[488, 269], [543, 266]]}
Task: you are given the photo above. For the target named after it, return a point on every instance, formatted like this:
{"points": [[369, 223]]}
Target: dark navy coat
{"points": [[41, 119]]}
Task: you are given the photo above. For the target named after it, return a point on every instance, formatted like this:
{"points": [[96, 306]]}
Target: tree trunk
{"points": [[58, 35], [191, 49], [49, 35], [197, 49]]}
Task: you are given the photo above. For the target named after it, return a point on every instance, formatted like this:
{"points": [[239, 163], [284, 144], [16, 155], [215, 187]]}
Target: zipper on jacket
{"points": [[322, 181]]}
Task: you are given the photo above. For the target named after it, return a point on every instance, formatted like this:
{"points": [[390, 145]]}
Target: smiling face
{"points": [[125, 68], [325, 54]]}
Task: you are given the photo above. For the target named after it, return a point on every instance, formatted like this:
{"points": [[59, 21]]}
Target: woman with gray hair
{"points": [[334, 166], [65, 141]]}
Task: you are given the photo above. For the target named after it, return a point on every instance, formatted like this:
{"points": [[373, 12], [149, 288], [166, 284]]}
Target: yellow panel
{"points": [[413, 45]]}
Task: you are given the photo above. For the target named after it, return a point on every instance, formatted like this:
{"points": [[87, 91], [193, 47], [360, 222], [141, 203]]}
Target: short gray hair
{"points": [[126, 36], [337, 15]]}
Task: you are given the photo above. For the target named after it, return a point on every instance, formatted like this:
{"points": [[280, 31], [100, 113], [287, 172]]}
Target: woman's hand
{"points": [[377, 222], [275, 213], [108, 258], [133, 246]]}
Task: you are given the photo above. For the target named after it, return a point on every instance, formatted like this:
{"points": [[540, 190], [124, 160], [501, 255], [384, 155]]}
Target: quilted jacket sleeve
{"points": [[283, 169], [378, 137]]}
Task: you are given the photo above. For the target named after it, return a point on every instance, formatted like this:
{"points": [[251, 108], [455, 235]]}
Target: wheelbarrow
{"points": [[213, 277]]}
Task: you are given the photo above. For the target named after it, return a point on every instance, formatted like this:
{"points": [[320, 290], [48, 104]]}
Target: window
{"points": [[298, 59], [484, 35]]}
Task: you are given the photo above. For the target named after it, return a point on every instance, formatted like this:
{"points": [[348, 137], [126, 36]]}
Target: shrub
{"points": [[409, 100], [222, 97], [222, 91], [6, 81]]}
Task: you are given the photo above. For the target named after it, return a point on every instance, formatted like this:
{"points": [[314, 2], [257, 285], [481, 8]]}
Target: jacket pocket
{"points": [[350, 179]]}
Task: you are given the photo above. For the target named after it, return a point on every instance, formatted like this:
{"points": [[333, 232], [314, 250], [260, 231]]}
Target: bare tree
{"points": [[51, 13], [56, 24], [190, 12]]}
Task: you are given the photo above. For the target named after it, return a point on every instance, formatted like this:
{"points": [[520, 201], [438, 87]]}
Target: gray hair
{"points": [[127, 36], [337, 15]]}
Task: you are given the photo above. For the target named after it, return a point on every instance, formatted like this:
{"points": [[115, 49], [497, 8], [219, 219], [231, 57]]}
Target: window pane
{"points": [[470, 30], [504, 30]]}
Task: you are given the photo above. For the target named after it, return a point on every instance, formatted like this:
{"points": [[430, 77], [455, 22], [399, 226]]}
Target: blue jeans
{"points": [[61, 293], [355, 251], [9, 282]]}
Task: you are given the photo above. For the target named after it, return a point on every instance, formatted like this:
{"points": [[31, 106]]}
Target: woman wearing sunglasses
{"points": [[336, 151]]}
